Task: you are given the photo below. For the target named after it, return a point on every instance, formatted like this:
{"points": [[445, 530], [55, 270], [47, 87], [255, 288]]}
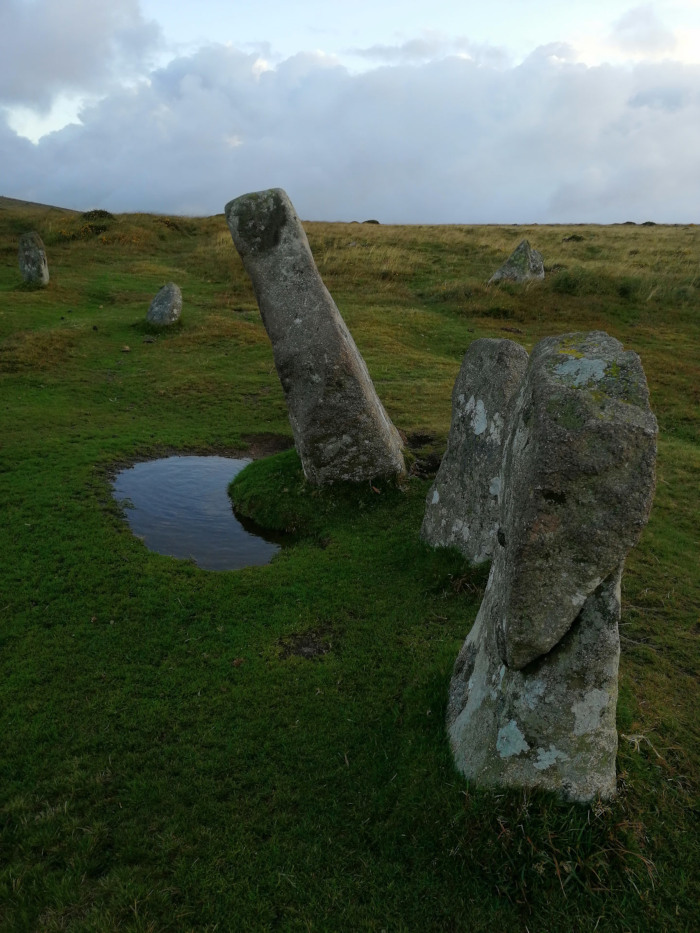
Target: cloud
{"points": [[640, 31], [447, 141], [53, 47], [432, 45]]}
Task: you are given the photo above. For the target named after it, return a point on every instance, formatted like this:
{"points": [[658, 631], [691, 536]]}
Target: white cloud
{"points": [[53, 47], [431, 45], [640, 31], [453, 140]]}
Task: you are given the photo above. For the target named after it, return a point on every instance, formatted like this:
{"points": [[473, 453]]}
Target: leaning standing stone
{"points": [[32, 259], [340, 427], [534, 690], [462, 508], [523, 264], [166, 307]]}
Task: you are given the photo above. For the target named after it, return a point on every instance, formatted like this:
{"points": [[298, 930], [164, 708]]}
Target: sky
{"points": [[408, 112]]}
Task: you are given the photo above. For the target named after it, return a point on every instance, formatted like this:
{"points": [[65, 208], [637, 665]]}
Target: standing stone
{"points": [[166, 307], [340, 427], [523, 264], [462, 508], [32, 259], [534, 690]]}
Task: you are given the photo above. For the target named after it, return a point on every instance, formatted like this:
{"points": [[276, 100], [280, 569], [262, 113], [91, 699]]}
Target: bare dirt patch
{"points": [[310, 645]]}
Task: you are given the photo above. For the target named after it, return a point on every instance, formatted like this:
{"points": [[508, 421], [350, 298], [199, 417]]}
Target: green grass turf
{"points": [[171, 759]]}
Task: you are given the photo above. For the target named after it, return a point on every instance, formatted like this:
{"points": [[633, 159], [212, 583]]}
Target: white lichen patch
{"points": [[581, 371], [495, 486], [496, 428], [534, 689], [497, 681], [460, 530], [545, 759], [479, 419], [510, 740], [588, 711], [578, 599], [436, 497]]}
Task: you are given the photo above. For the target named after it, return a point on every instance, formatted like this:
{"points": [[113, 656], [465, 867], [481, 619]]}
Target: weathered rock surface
{"points": [[32, 259], [340, 427], [523, 264], [578, 480], [533, 693], [166, 307], [462, 508], [551, 725]]}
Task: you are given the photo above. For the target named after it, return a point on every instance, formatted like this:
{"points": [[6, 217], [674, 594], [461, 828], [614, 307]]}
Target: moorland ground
{"points": [[264, 749]]}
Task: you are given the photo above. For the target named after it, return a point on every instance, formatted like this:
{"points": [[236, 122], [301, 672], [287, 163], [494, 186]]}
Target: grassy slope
{"points": [[168, 761]]}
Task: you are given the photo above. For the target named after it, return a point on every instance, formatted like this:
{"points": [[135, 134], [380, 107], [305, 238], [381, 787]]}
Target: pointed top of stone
{"points": [[523, 264]]}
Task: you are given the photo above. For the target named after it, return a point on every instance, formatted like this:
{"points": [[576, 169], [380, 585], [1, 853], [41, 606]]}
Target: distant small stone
{"points": [[370, 221], [166, 307], [32, 259], [523, 264], [572, 238]]}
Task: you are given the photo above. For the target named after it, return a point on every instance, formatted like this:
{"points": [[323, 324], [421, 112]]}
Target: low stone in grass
{"points": [[166, 307], [534, 690], [523, 265], [341, 430], [32, 259], [462, 508]]}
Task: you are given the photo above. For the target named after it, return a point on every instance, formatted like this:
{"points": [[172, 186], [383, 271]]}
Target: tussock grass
{"points": [[172, 759]]}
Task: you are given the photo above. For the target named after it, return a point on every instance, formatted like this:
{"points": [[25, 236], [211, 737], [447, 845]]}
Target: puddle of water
{"points": [[180, 506]]}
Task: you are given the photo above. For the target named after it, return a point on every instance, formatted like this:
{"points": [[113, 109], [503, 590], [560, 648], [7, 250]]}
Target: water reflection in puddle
{"points": [[180, 506]]}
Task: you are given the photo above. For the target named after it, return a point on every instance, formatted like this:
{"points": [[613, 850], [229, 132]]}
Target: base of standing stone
{"points": [[550, 725]]}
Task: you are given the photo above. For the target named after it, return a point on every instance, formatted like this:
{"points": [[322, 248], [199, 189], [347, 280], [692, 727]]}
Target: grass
{"points": [[171, 761]]}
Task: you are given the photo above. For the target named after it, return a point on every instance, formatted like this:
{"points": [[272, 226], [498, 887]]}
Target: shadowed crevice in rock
{"points": [[462, 507], [340, 427], [534, 689]]}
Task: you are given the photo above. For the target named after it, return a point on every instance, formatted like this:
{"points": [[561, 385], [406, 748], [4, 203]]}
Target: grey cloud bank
{"points": [[456, 140], [70, 47]]}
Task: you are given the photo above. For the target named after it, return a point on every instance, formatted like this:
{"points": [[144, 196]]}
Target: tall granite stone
{"points": [[523, 264], [166, 307], [32, 259], [340, 427], [462, 508], [534, 690]]}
